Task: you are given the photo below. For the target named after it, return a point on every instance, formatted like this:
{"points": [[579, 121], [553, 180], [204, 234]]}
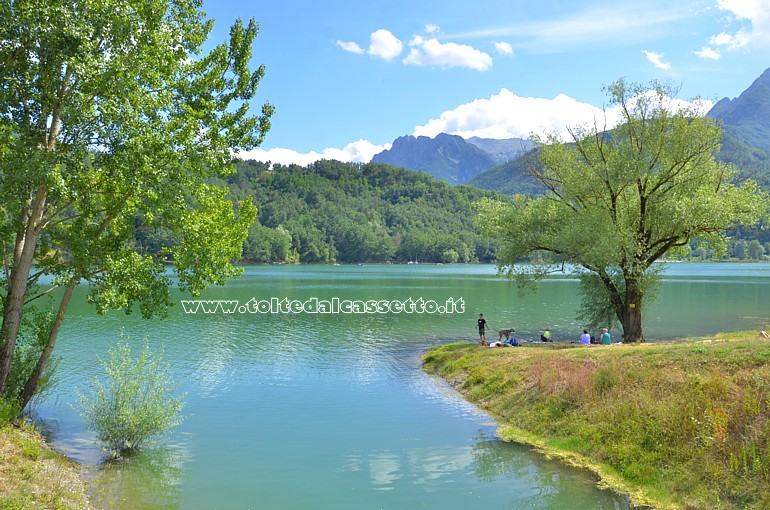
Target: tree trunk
{"points": [[631, 316], [17, 286], [31, 386], [14, 303]]}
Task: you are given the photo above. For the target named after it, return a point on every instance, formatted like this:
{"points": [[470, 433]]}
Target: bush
{"points": [[135, 405], [32, 339], [9, 410]]}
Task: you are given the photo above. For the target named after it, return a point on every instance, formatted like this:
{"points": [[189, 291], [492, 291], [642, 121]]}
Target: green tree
{"points": [[109, 111], [755, 250], [703, 252], [739, 249], [450, 256], [617, 201]]}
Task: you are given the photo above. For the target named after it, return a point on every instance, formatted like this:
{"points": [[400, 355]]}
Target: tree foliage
{"points": [[110, 112], [617, 201]]}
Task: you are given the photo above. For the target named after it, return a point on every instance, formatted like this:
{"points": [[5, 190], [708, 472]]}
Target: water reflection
{"points": [[540, 483], [419, 466], [433, 465], [493, 459], [532, 481], [385, 468], [151, 480]]}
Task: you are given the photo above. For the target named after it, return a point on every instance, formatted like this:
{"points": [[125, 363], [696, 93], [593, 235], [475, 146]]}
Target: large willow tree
{"points": [[617, 201], [111, 115]]}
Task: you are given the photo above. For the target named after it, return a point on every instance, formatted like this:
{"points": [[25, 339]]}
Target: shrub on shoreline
{"points": [[136, 404]]}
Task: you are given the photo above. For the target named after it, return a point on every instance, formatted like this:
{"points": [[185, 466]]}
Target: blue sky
{"points": [[348, 77]]}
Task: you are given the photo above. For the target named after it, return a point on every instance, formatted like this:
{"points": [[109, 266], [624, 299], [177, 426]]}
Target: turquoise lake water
{"points": [[332, 410]]}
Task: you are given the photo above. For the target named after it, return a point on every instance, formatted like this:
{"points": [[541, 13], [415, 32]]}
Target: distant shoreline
{"points": [[399, 263]]}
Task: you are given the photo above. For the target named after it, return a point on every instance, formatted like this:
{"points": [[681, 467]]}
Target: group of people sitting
{"points": [[585, 338], [605, 338], [510, 341]]}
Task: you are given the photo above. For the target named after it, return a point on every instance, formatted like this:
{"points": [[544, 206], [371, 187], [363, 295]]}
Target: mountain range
{"points": [[499, 165], [747, 117], [452, 158]]}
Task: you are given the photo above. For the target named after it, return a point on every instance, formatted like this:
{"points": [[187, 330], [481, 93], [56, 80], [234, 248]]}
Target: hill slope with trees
{"points": [[747, 117], [331, 211]]}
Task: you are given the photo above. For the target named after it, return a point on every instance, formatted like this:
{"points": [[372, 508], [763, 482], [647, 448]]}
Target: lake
{"points": [[299, 409]]}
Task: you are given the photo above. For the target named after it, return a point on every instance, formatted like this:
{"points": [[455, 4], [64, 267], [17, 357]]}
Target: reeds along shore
{"points": [[681, 424]]}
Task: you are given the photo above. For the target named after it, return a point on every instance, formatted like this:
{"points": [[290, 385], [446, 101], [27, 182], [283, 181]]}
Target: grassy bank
{"points": [[34, 476], [676, 425]]}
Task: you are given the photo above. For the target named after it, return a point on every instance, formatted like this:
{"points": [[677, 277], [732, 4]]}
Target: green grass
{"points": [[34, 476], [677, 425]]}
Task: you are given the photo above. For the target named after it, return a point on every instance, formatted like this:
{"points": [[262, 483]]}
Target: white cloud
{"points": [[506, 115], [708, 53], [431, 52], [385, 45], [619, 24], [657, 60], [744, 9], [672, 104], [504, 48], [754, 18], [732, 41], [351, 47], [722, 39], [426, 51], [361, 151]]}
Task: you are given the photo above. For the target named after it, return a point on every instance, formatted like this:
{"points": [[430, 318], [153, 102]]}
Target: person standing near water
{"points": [[482, 329]]}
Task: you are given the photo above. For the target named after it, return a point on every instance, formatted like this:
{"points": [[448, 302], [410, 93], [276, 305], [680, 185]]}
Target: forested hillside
{"points": [[747, 117], [331, 211], [753, 162], [511, 178]]}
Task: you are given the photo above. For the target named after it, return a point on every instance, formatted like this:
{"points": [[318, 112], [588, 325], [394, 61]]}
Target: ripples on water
{"points": [[324, 411]]}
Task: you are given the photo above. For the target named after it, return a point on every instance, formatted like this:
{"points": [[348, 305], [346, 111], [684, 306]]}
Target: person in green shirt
{"points": [[606, 338]]}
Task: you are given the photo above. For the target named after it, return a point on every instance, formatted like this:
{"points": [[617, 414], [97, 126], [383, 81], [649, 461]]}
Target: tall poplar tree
{"points": [[109, 112], [617, 201]]}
